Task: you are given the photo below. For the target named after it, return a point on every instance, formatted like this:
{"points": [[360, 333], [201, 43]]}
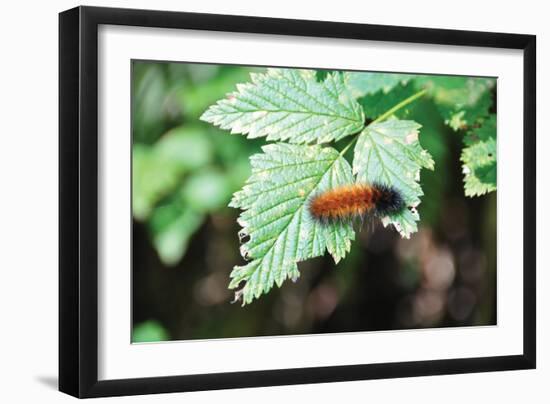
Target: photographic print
{"points": [[250, 201], [270, 201]]}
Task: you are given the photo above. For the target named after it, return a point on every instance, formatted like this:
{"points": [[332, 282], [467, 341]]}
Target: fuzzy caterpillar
{"points": [[348, 202]]}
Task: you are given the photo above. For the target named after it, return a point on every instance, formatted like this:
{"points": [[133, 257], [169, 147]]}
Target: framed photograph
{"points": [[251, 201]]}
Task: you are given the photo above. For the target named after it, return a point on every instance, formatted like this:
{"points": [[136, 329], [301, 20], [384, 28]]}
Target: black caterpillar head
{"points": [[389, 200]]}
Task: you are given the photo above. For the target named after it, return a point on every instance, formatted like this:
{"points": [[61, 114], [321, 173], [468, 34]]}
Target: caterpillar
{"points": [[356, 201]]}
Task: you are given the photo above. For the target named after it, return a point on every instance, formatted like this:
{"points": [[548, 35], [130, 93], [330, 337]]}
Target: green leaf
{"points": [[321, 75], [289, 104], [207, 190], [149, 106], [464, 116], [172, 225], [158, 170], [480, 167], [276, 219], [389, 153], [462, 101], [187, 147], [152, 179], [149, 331], [378, 103], [196, 98], [364, 83], [479, 158], [487, 130]]}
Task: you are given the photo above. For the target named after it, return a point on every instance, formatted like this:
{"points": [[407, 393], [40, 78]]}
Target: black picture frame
{"points": [[78, 201]]}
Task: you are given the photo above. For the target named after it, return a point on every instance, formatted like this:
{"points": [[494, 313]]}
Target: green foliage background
{"points": [[185, 172]]}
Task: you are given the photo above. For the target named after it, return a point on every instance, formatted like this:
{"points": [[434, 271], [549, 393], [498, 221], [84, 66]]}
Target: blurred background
{"points": [[185, 241]]}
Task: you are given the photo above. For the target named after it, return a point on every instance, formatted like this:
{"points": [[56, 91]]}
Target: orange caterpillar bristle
{"points": [[356, 201]]}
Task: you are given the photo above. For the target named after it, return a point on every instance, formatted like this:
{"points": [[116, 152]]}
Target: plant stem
{"points": [[386, 115], [397, 107]]}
